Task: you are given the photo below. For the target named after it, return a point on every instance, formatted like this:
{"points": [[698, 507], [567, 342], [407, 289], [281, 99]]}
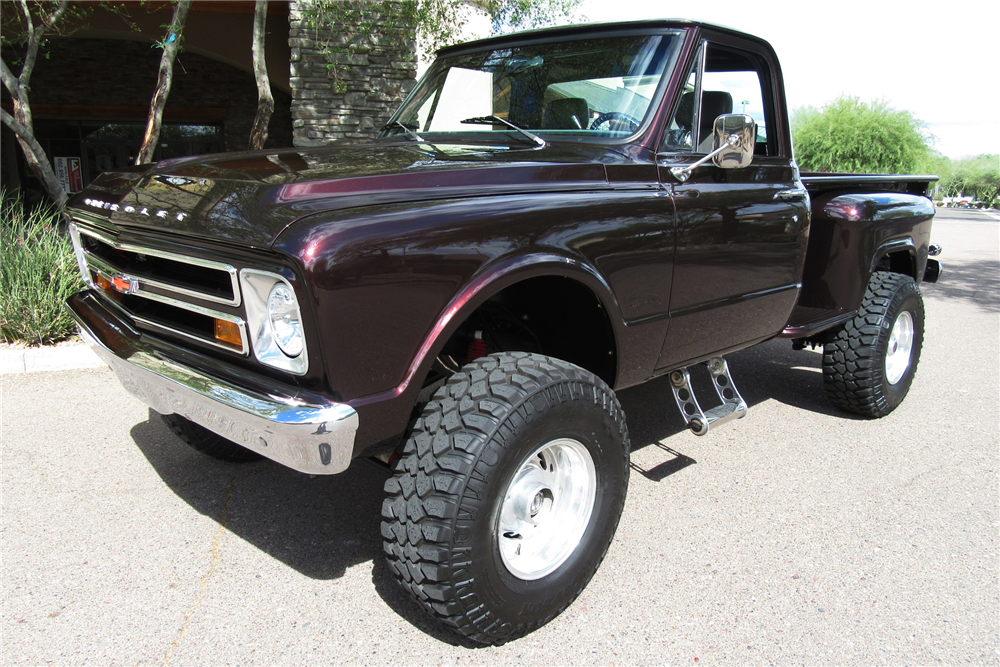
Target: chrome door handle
{"points": [[793, 194]]}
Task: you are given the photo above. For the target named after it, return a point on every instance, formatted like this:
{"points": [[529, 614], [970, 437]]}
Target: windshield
{"points": [[585, 88]]}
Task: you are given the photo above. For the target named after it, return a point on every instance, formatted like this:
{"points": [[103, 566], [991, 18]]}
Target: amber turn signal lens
{"points": [[108, 287], [229, 333]]}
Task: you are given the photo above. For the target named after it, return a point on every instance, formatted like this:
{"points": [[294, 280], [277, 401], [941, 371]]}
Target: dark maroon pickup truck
{"points": [[549, 217]]}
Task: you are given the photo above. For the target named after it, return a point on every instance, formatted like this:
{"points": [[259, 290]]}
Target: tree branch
{"points": [[15, 126], [171, 45], [21, 122], [35, 36], [56, 14], [265, 101], [35, 155], [31, 47], [27, 18], [9, 80]]}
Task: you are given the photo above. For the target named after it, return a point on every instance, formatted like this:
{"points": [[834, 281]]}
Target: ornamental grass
{"points": [[38, 272]]}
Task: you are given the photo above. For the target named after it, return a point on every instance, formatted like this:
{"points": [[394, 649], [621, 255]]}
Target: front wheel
{"points": [[869, 366], [507, 494]]}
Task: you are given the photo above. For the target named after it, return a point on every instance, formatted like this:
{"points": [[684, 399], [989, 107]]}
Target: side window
{"points": [[730, 81]]}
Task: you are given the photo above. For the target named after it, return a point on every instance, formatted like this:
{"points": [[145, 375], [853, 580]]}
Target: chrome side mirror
{"points": [[738, 154], [735, 136]]}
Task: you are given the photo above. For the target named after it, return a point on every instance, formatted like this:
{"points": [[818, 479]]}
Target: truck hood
{"points": [[251, 197]]}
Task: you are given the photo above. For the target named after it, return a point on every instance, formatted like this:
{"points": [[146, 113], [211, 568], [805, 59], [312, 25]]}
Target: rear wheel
{"points": [[207, 442], [507, 494], [869, 366]]}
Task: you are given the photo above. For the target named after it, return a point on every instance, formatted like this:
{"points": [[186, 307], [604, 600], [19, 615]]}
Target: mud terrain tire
{"points": [[479, 442], [869, 366]]}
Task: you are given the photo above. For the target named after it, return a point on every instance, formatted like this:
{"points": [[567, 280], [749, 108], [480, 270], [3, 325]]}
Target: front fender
{"points": [[384, 416], [493, 279], [389, 284]]}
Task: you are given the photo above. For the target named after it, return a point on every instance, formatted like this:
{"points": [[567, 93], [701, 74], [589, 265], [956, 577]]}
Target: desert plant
{"points": [[850, 135], [38, 272]]}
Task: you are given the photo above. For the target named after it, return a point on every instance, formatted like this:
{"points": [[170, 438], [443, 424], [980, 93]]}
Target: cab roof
{"points": [[586, 29]]}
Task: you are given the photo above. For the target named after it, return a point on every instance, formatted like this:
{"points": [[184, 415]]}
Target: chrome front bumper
{"points": [[314, 439]]}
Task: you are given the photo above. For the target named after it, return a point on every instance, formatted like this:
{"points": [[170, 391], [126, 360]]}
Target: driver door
{"points": [[741, 233]]}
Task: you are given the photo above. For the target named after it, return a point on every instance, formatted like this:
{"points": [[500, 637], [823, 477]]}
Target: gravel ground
{"points": [[797, 535]]}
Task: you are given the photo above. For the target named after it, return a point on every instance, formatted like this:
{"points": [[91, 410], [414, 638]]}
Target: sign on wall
{"points": [[69, 173]]}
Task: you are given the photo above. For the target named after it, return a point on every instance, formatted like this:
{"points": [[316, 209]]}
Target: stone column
{"points": [[346, 85]]}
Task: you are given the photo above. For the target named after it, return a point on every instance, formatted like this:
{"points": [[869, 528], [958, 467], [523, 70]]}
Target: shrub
{"points": [[848, 135], [38, 272]]}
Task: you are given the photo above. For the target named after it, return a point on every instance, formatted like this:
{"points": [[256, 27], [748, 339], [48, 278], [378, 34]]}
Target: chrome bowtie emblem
{"points": [[124, 284]]}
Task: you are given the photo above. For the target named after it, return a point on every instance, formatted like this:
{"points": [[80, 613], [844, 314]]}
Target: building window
{"points": [[104, 146]]}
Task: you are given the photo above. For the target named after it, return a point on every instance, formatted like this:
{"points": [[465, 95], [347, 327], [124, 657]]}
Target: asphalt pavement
{"points": [[799, 534]]}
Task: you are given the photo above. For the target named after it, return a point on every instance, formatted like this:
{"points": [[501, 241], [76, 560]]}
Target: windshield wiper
{"points": [[490, 120], [393, 124]]}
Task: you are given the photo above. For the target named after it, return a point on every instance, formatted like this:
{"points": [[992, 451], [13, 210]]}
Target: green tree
{"points": [[976, 177], [440, 22], [435, 23], [848, 135]]}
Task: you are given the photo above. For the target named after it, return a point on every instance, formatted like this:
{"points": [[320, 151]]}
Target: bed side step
{"points": [[732, 407]]}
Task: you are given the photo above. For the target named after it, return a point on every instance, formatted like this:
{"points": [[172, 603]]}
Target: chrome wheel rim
{"points": [[546, 508], [897, 357]]}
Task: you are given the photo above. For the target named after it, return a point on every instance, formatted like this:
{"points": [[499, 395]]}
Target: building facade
{"points": [[90, 95]]}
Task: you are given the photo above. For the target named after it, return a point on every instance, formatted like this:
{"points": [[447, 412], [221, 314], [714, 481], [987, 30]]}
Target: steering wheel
{"points": [[615, 121]]}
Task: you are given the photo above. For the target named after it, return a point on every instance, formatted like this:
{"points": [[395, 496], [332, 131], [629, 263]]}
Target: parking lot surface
{"points": [[799, 534]]}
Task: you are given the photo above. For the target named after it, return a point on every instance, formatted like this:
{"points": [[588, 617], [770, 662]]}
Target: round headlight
{"points": [[283, 317]]}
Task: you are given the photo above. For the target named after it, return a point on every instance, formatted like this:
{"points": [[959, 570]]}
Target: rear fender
{"points": [[901, 256], [851, 233]]}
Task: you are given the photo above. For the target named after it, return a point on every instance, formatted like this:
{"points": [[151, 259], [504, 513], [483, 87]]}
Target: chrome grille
{"points": [[157, 289]]}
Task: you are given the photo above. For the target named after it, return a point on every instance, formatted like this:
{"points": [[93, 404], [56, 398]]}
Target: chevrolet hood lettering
{"points": [[251, 197]]}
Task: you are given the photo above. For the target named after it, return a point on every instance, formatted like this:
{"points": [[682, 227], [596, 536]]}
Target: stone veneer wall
{"points": [[354, 98]]}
